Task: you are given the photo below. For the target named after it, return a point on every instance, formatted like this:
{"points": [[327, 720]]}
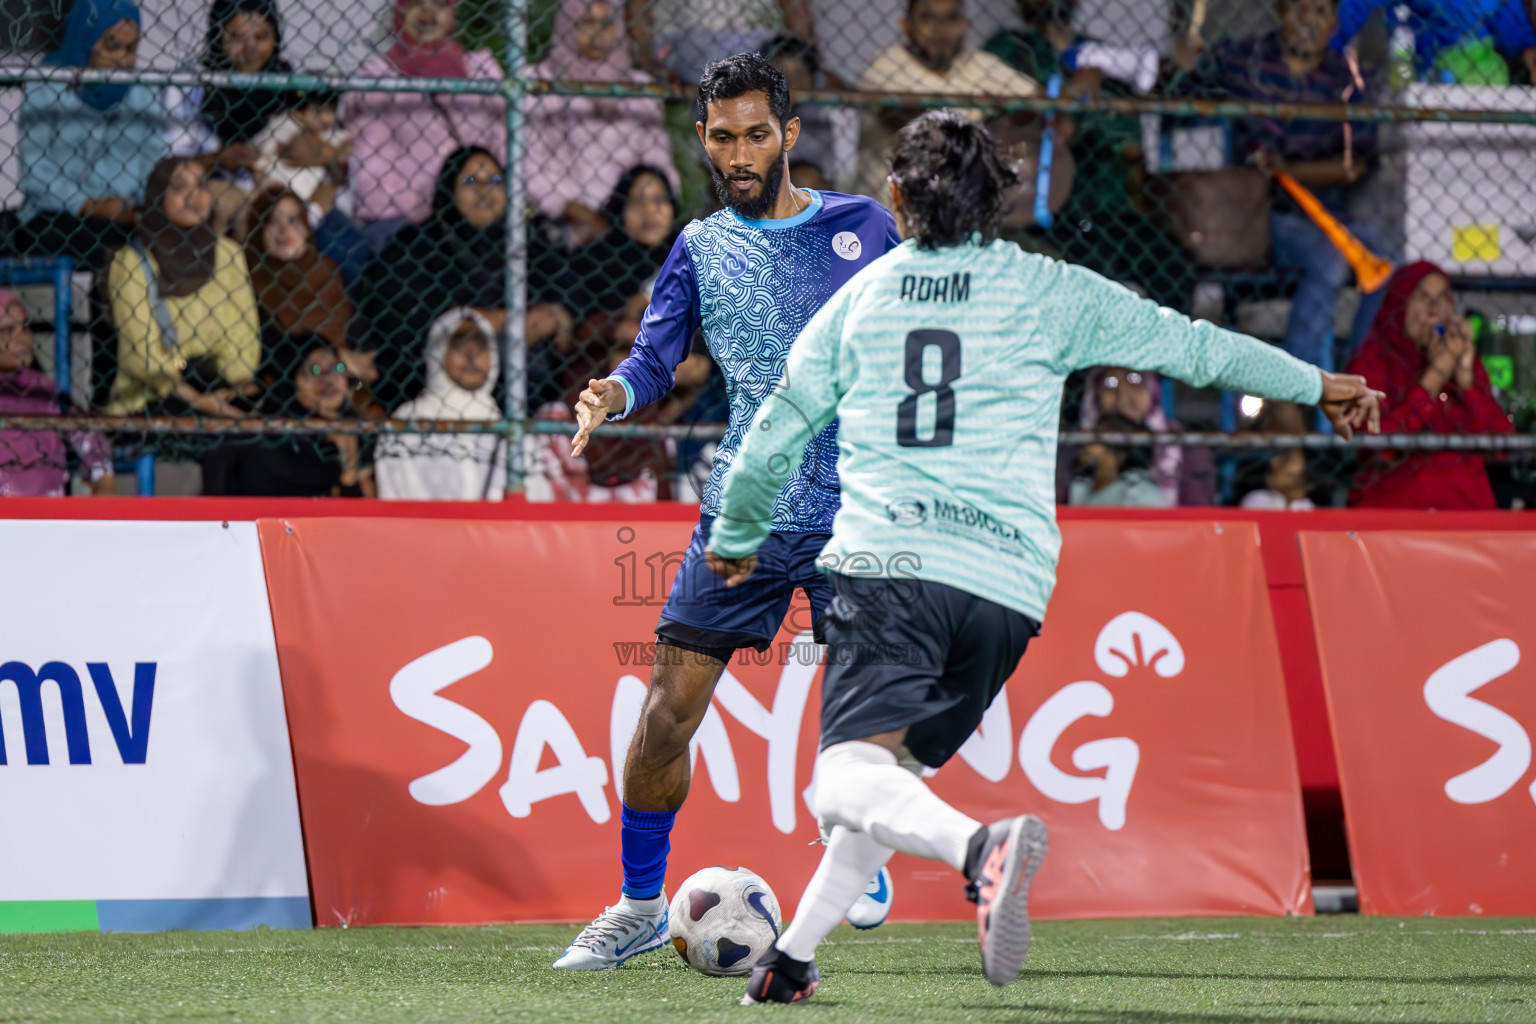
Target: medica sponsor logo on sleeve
{"points": [[144, 762]]}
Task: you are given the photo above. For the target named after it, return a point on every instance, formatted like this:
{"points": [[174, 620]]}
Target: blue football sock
{"points": [[645, 838]]}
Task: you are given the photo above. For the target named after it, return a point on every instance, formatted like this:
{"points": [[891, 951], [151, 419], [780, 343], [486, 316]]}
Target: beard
{"points": [[933, 61], [750, 207]]}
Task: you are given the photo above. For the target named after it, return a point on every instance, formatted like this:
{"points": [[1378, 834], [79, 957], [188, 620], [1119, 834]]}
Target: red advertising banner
{"points": [[460, 695], [1421, 637]]}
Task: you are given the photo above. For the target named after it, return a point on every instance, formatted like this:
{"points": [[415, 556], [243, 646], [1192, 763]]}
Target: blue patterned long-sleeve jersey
{"points": [[752, 285]]}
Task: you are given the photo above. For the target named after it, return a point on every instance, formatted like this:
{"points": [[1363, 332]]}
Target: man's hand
{"points": [[1350, 403], [735, 570], [601, 399]]}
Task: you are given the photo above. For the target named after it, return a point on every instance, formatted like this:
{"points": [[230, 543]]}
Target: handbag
{"points": [[1221, 217]]}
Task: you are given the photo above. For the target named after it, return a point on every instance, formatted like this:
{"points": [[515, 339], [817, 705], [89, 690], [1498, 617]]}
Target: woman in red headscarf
{"points": [[1420, 353]]}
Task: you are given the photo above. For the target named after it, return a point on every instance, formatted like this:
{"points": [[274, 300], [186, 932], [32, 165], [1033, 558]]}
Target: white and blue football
{"points": [[722, 919], [874, 904]]}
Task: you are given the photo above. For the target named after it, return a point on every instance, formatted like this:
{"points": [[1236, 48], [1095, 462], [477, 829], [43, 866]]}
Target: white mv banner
{"points": [[145, 775]]}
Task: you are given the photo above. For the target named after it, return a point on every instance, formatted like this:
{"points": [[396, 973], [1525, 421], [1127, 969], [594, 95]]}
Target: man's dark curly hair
{"points": [[738, 75], [951, 177]]}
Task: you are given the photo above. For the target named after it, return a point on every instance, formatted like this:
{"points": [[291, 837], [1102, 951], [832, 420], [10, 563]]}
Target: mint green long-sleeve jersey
{"points": [[944, 369]]}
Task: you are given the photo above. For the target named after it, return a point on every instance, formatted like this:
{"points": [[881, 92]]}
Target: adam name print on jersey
{"points": [[955, 288]]}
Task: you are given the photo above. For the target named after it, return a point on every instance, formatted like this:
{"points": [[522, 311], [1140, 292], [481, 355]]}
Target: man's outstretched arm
{"points": [[666, 332]]}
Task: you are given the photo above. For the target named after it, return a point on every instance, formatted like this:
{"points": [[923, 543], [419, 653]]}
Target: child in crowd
{"points": [[32, 462], [1286, 484], [462, 370], [1116, 476], [306, 149]]}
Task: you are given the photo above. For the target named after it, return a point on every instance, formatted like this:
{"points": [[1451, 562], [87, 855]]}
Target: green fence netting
{"points": [[340, 247]]}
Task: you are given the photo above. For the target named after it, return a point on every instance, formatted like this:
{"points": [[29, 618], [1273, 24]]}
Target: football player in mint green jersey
{"points": [[943, 362]]}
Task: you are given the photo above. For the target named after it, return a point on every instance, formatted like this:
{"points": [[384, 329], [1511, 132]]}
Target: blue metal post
{"points": [[63, 348], [145, 470]]}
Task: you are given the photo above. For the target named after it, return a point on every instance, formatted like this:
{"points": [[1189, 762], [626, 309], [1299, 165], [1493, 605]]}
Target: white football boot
{"points": [[618, 934]]}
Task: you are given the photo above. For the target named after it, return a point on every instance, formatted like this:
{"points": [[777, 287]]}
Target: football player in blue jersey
{"points": [[750, 277]]}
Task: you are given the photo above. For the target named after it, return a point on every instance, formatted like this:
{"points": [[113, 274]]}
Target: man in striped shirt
{"points": [[943, 362]]}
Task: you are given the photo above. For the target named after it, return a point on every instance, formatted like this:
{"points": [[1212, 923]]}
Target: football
{"points": [[722, 919], [874, 904]]}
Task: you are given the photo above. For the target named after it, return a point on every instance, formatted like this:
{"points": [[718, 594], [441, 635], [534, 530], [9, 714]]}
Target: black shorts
{"points": [[915, 653]]}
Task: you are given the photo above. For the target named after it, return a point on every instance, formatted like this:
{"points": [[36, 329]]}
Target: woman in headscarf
{"points": [[299, 290], [32, 462], [85, 150], [188, 336], [462, 367], [597, 282], [313, 386], [222, 122], [399, 140], [1420, 353], [455, 257], [1184, 476], [579, 146], [599, 279]]}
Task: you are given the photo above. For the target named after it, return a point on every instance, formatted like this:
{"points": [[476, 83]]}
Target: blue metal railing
{"points": [[59, 272]]}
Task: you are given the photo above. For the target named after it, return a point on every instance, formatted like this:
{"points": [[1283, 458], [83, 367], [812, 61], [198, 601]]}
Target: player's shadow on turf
{"points": [[1088, 1015], [1454, 979]]}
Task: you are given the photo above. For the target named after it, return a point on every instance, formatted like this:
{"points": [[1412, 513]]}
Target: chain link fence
{"points": [[342, 247]]}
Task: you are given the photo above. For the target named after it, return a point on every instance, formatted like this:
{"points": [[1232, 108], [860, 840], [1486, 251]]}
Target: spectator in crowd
{"points": [[829, 135], [1513, 24], [1103, 224], [299, 290], [188, 334], [462, 367], [932, 58], [597, 280], [222, 121], [676, 38], [399, 140], [312, 387], [1287, 484], [306, 148], [1112, 475], [1184, 476], [85, 150], [455, 257], [32, 462], [1279, 481], [579, 146], [1439, 26], [1421, 354], [1295, 65]]}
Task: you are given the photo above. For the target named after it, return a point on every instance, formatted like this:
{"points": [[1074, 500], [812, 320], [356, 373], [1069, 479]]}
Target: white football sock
{"points": [[862, 787], [642, 908], [850, 861]]}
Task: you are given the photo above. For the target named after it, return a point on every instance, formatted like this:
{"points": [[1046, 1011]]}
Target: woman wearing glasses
{"points": [[1183, 476], [456, 257], [399, 139], [315, 386]]}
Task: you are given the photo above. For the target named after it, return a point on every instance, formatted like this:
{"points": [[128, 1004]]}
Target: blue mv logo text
{"points": [[131, 730]]}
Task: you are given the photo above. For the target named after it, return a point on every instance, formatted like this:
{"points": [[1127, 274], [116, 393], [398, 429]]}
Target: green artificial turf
{"points": [[1340, 969]]}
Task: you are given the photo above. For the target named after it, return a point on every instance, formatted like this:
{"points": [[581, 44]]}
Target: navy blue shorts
{"points": [[702, 615], [919, 654]]}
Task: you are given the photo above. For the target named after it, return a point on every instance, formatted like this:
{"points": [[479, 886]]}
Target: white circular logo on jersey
{"points": [[847, 245]]}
